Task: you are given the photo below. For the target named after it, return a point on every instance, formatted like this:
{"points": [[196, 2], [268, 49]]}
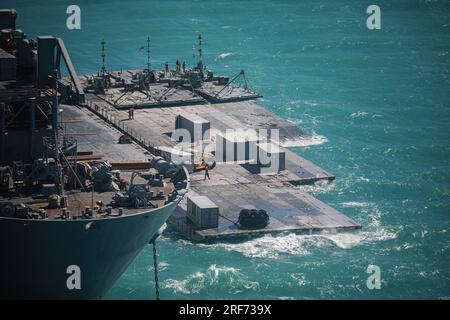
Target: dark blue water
{"points": [[376, 104]]}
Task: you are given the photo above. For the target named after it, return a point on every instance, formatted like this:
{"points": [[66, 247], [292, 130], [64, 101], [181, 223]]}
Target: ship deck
{"points": [[78, 200], [290, 210], [95, 136], [96, 140]]}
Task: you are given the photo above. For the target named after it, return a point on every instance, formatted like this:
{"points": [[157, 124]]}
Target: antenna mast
{"points": [[148, 54], [103, 70], [200, 48]]}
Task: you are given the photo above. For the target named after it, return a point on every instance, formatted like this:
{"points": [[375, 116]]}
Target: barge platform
{"points": [[233, 186]]}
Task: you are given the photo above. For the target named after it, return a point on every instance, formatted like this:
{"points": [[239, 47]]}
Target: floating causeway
{"points": [[232, 186]]}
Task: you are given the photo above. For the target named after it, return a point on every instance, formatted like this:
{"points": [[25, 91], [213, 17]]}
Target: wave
{"points": [[404, 246], [298, 102], [350, 240], [310, 103], [225, 278], [354, 204], [318, 187], [313, 140], [222, 56], [373, 231], [161, 266], [269, 246], [300, 279], [359, 114]]}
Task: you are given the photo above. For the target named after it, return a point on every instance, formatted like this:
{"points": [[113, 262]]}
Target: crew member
{"points": [[131, 113], [205, 164]]}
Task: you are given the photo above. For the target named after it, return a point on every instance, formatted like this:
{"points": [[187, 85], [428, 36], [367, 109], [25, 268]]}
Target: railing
{"points": [[103, 113]]}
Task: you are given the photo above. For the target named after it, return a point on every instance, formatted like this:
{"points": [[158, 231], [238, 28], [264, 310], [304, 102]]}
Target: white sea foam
{"points": [[222, 56], [373, 231], [348, 240], [310, 103], [305, 142], [354, 204], [302, 102], [300, 279], [404, 246], [285, 298], [274, 247], [268, 246], [225, 278], [321, 186], [429, 273], [163, 265], [359, 114]]}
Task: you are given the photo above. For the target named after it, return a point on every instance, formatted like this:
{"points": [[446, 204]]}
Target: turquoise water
{"points": [[376, 104]]}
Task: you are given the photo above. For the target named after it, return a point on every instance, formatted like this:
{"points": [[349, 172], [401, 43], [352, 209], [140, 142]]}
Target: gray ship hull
{"points": [[35, 254]]}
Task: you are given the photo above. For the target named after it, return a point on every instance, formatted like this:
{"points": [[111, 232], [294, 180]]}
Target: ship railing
{"points": [[125, 129]]}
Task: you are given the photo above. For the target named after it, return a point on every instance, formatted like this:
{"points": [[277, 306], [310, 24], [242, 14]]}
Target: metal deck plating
{"points": [[233, 186]]}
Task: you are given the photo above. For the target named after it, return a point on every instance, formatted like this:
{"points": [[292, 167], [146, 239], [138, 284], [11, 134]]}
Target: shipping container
{"points": [[202, 212], [237, 146], [271, 157], [197, 127]]}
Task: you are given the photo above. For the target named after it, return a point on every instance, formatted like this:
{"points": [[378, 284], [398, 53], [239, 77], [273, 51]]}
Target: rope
{"points": [[155, 269]]}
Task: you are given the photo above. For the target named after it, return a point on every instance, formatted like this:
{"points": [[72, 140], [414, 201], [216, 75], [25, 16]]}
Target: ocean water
{"points": [[375, 102]]}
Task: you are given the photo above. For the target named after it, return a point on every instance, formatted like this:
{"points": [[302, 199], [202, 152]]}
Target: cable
{"points": [[155, 269]]}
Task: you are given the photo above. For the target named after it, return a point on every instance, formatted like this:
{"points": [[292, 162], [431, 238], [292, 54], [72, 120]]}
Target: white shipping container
{"points": [[271, 157], [197, 126], [236, 146], [202, 212]]}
